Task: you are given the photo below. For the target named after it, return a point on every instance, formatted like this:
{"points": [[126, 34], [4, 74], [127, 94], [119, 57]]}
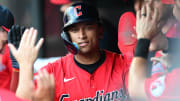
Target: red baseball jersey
{"points": [[126, 28], [5, 69], [127, 43], [6, 95], [164, 87], [107, 83]]}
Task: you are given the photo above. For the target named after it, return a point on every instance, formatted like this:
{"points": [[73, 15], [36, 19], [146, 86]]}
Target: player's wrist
{"points": [[142, 48], [26, 64], [144, 36]]}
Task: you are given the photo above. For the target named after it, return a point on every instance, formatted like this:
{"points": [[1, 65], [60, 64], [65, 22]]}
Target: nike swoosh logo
{"points": [[69, 79]]}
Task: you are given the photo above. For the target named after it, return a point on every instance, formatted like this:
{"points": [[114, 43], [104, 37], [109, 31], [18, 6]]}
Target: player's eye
{"points": [[74, 30], [90, 26]]}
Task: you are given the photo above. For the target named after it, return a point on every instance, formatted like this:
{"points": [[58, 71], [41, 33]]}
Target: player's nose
{"points": [[82, 33]]}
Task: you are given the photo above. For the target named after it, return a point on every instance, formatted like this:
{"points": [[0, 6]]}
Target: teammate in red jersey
{"points": [[6, 22], [87, 73], [163, 86], [126, 29], [5, 69]]}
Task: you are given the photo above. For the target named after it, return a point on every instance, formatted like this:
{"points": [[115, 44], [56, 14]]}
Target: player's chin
{"points": [[84, 50]]}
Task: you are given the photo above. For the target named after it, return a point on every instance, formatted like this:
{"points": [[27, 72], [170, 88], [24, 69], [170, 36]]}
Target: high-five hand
{"points": [[28, 50]]}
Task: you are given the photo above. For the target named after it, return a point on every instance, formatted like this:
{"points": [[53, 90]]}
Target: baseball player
{"points": [[109, 39], [162, 86], [127, 35], [87, 72], [8, 75], [6, 22]]}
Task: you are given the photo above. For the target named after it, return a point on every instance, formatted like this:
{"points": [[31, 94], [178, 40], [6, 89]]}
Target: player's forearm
{"points": [[147, 29], [25, 81], [139, 70], [137, 76]]}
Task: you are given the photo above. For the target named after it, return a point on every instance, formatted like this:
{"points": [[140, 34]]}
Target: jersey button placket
{"points": [[92, 84]]}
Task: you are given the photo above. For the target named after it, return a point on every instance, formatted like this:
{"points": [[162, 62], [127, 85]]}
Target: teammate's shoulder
{"points": [[67, 57], [112, 54]]}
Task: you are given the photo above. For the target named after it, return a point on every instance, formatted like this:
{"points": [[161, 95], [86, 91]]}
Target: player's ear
{"points": [[101, 32]]}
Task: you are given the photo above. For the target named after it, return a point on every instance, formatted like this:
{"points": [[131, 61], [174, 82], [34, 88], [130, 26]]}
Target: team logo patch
{"points": [[77, 10], [157, 87]]}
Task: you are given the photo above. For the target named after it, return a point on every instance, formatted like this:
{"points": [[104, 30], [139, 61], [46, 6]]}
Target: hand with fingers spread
{"points": [[45, 87], [146, 25], [28, 50], [26, 54]]}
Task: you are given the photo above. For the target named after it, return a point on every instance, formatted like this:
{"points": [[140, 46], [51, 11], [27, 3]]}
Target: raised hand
{"points": [[147, 23], [28, 50]]}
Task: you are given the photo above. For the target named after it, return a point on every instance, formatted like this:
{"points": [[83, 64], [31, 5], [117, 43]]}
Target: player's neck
{"points": [[89, 58]]}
